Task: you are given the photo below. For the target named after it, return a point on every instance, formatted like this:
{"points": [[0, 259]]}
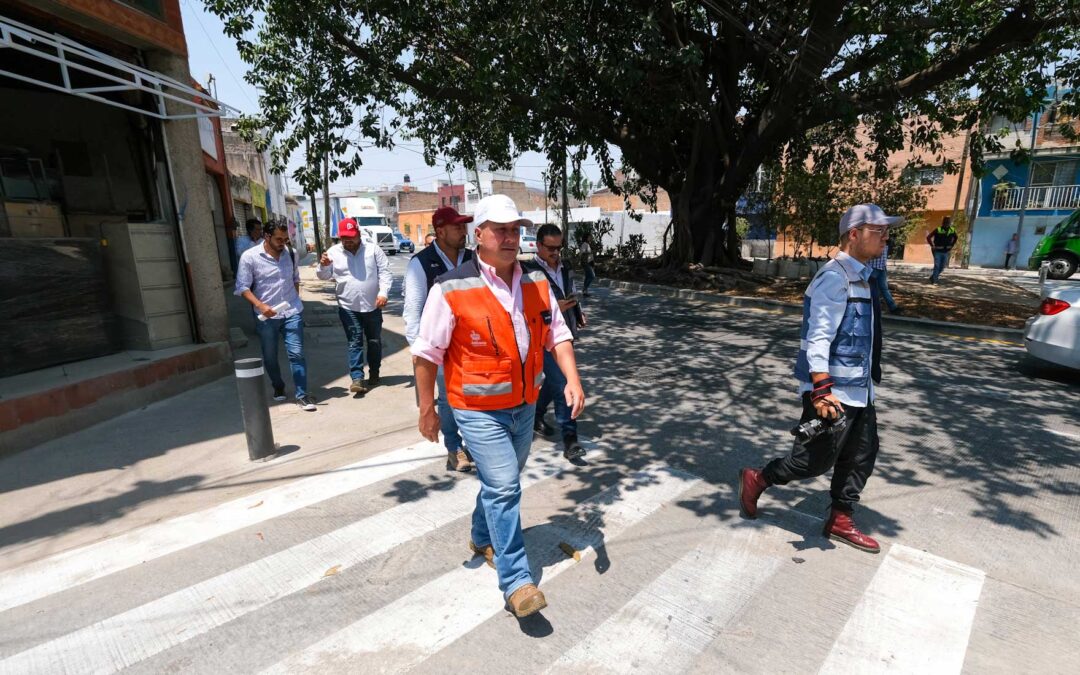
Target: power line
{"points": [[225, 63]]}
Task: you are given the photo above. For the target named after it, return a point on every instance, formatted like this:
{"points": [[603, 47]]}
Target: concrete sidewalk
{"points": [[189, 452]]}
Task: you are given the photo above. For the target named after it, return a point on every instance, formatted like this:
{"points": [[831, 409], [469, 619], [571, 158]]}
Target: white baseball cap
{"points": [[498, 209], [866, 214]]}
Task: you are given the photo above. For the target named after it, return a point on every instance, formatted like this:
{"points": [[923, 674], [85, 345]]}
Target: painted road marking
{"points": [[671, 621], [405, 632], [914, 617], [78, 566], [127, 638]]}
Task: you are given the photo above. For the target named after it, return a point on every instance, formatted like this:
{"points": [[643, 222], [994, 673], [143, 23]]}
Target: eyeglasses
{"points": [[550, 248], [876, 229]]}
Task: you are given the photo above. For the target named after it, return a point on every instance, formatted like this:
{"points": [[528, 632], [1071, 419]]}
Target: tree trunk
{"points": [[703, 221]]}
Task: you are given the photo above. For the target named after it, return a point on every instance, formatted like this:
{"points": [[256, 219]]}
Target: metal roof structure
{"points": [[75, 61]]}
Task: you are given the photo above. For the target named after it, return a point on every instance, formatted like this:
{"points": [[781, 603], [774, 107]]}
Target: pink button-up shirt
{"points": [[437, 322]]}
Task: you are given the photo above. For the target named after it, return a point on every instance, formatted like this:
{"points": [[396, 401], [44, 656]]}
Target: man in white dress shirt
{"points": [[363, 279]]}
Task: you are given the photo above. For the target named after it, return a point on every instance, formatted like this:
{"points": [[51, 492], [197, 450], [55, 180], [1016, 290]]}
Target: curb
{"points": [[1011, 335]]}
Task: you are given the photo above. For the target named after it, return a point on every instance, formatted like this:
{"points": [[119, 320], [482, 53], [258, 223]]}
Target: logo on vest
{"points": [[477, 339]]}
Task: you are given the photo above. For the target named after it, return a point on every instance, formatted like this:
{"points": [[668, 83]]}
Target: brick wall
{"points": [[611, 202], [121, 22]]}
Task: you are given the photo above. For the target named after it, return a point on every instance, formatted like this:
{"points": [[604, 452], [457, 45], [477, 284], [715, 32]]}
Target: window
{"points": [[927, 175], [1053, 173], [151, 7], [933, 175]]}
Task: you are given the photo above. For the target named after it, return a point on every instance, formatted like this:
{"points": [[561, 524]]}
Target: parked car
{"points": [[528, 245], [1061, 248], [404, 244], [1054, 335]]}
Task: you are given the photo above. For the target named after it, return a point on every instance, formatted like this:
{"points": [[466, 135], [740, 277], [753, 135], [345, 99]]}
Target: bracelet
{"points": [[822, 388]]}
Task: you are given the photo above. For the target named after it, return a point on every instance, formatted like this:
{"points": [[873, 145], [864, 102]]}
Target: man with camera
{"points": [[838, 364]]}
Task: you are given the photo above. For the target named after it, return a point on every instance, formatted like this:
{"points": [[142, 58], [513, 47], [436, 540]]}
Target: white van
{"points": [[381, 235]]}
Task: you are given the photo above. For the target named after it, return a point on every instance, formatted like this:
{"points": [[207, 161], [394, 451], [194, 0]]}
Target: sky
{"points": [[211, 52]]}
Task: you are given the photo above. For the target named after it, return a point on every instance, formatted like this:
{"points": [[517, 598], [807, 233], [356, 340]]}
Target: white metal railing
{"points": [[1040, 197], [75, 62]]}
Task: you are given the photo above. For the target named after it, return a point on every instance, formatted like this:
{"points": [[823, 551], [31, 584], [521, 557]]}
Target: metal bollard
{"points": [[255, 408], [1044, 269]]}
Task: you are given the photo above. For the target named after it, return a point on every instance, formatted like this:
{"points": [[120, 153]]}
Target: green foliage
{"points": [[597, 231], [631, 249], [695, 95], [806, 202]]}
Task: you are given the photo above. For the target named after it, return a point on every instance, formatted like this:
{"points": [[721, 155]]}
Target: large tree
{"points": [[695, 95]]}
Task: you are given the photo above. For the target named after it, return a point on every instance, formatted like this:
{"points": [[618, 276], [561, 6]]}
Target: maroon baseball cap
{"points": [[348, 228], [448, 215]]}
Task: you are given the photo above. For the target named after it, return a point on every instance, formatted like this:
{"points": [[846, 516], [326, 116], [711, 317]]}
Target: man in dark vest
{"points": [[549, 241], [447, 252]]}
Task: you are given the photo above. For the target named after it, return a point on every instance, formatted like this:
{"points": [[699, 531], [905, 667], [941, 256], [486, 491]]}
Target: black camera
{"points": [[809, 430]]}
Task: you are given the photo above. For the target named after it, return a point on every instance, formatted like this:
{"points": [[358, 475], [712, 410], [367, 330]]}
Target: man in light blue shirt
{"points": [[838, 363], [267, 277], [253, 237], [362, 279]]}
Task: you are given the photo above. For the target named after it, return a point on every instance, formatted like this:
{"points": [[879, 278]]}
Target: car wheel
{"points": [[1062, 266]]}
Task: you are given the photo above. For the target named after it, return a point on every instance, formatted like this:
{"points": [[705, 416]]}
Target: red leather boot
{"points": [[751, 484], [840, 527]]}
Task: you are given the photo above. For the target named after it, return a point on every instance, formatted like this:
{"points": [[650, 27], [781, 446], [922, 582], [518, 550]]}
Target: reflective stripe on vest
{"points": [[851, 350], [483, 366]]}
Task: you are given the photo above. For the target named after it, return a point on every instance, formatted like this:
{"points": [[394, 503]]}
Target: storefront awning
{"points": [[82, 71]]}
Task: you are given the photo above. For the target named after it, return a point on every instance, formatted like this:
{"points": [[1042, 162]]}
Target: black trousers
{"points": [[850, 455]]}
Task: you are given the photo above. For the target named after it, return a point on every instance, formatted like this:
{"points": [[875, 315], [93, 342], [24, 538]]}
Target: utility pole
{"points": [[956, 202], [1025, 191], [326, 193], [565, 205], [311, 202]]}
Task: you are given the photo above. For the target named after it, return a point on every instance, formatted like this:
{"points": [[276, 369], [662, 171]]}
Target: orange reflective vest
{"points": [[482, 366]]}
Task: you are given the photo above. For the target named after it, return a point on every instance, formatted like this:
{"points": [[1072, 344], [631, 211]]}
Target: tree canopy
{"points": [[695, 95]]}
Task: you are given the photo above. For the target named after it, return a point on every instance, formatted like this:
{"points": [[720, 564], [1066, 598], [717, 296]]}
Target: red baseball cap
{"points": [[348, 228], [448, 215]]}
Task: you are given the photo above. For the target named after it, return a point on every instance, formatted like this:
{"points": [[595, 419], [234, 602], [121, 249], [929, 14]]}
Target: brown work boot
{"points": [[487, 551], [458, 461], [840, 527], [525, 601], [751, 484], [357, 387]]}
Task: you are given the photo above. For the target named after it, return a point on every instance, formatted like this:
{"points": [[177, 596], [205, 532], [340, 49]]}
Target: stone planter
{"points": [[804, 270], [773, 268], [761, 266], [789, 269]]}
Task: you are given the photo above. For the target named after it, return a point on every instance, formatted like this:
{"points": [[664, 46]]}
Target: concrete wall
{"points": [[990, 235], [189, 180]]}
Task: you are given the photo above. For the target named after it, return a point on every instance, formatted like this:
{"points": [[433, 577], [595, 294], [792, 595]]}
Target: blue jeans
{"points": [[447, 423], [590, 276], [362, 329], [881, 278], [553, 392], [293, 331], [499, 442], [941, 261]]}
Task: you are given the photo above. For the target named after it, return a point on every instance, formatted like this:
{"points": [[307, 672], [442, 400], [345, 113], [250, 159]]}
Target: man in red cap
{"points": [[362, 279], [447, 252]]}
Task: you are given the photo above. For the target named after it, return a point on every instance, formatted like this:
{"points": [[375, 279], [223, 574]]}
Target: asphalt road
{"points": [[975, 498]]}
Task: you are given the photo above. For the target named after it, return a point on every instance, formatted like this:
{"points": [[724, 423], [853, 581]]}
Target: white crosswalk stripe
{"points": [[406, 632], [915, 615], [79, 566], [673, 619], [125, 639]]}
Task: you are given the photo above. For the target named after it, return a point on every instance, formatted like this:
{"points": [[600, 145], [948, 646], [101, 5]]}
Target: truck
{"points": [[1060, 248]]}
